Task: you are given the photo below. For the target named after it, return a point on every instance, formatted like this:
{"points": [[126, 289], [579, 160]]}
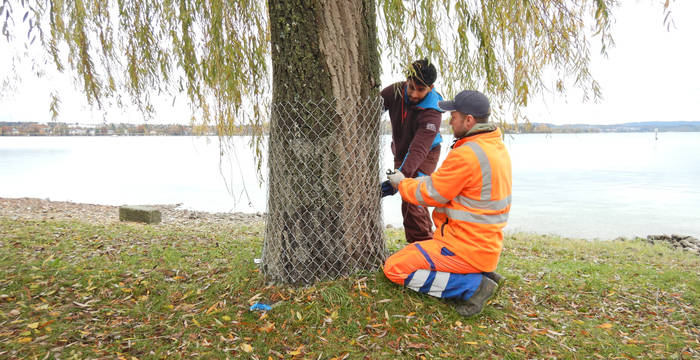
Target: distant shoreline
{"points": [[68, 129]]}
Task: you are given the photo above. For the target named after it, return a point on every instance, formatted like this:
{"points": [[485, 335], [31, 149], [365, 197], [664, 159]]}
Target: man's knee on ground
{"points": [[392, 272]]}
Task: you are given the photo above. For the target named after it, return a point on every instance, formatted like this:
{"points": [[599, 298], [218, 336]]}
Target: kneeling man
{"points": [[471, 193]]}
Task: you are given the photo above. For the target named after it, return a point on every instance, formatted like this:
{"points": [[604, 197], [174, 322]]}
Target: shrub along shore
{"points": [[77, 284]]}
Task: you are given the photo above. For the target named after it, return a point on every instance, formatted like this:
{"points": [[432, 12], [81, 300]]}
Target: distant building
{"points": [[78, 132]]}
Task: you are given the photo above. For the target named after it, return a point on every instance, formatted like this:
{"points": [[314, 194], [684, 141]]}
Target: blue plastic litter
{"points": [[260, 307]]}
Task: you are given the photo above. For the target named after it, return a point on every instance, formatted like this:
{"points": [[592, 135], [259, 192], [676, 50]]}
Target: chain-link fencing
{"points": [[324, 201]]}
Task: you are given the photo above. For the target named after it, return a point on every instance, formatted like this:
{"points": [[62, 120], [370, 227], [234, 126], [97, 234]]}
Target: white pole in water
{"points": [[656, 133]]}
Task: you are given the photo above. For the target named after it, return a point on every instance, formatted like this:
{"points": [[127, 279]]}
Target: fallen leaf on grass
{"points": [[267, 327], [81, 305], [246, 347], [24, 340], [605, 326], [342, 356], [296, 352], [212, 308], [33, 325], [255, 298]]}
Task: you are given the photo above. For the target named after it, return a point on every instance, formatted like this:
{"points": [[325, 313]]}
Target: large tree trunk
{"points": [[323, 203]]}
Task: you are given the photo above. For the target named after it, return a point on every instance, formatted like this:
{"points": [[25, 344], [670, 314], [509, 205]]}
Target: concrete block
{"points": [[144, 214]]}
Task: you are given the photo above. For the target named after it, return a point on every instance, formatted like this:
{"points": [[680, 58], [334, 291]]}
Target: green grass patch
{"points": [[77, 290]]}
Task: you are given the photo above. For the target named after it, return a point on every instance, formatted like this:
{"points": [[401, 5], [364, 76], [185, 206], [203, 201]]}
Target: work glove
{"points": [[387, 189], [394, 177]]}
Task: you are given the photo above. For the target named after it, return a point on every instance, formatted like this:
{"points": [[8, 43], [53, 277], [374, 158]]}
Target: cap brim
{"points": [[447, 105]]}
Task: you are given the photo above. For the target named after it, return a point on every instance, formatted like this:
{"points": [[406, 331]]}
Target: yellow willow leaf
{"points": [[33, 325], [605, 326], [212, 308], [246, 347], [226, 318], [24, 340], [472, 343], [299, 316]]}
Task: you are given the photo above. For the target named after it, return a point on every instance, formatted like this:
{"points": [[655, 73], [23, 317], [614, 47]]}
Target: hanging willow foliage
{"points": [[217, 51]]}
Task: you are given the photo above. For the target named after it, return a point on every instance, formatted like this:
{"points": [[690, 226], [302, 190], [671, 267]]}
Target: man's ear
{"points": [[431, 87]]}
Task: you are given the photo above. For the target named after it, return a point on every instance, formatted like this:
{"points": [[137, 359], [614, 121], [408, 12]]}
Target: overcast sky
{"points": [[650, 75]]}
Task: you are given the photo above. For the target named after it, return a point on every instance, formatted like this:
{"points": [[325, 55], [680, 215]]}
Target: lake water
{"points": [[579, 185]]}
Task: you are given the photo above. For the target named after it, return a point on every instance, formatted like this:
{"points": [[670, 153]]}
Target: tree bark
{"points": [[323, 201]]}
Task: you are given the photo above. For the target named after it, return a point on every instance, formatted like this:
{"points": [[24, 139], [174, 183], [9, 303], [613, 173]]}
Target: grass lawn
{"points": [[131, 291]]}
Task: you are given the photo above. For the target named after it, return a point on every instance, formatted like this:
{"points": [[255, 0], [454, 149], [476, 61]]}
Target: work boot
{"points": [[475, 304], [498, 279]]}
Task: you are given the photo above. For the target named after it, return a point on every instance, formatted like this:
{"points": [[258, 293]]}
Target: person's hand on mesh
{"points": [[395, 177]]}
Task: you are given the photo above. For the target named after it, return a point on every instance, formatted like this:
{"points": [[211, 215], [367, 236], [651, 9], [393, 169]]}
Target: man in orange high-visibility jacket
{"points": [[471, 193]]}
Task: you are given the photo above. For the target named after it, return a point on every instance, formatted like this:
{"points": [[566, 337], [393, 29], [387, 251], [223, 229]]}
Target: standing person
{"points": [[415, 138], [471, 193]]}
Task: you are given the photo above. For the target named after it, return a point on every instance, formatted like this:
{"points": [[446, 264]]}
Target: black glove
{"points": [[387, 189]]}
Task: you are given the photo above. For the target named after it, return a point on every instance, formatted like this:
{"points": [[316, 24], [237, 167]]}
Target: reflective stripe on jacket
{"points": [[471, 193]]}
